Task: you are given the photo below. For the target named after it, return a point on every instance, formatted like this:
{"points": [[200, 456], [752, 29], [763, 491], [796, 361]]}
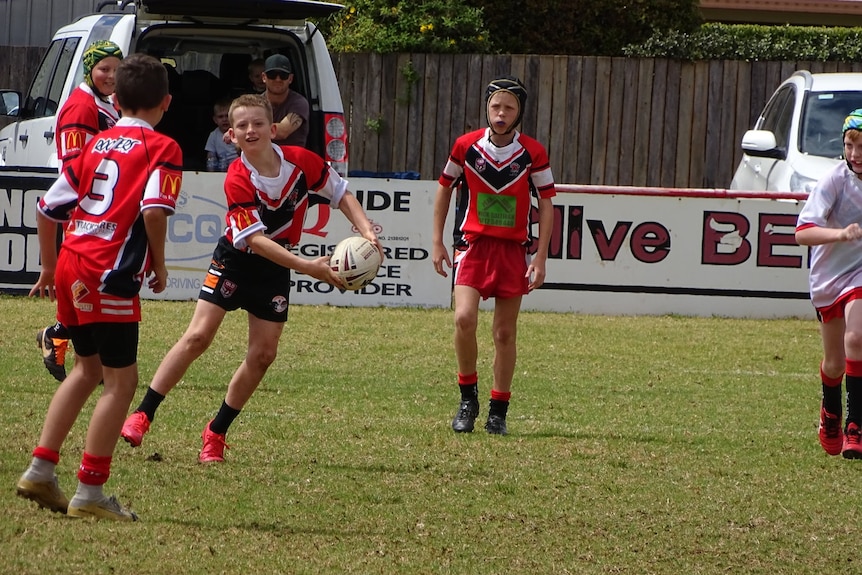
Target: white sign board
{"points": [[399, 209], [613, 250]]}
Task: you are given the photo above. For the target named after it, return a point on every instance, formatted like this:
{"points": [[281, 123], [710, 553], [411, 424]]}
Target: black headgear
{"points": [[513, 86]]}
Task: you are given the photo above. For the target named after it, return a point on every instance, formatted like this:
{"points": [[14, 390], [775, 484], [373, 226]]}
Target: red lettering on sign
{"points": [[768, 238], [323, 211], [608, 247], [650, 242], [724, 239]]}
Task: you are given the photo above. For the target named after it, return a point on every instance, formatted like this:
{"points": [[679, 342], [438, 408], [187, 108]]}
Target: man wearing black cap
{"points": [[289, 109]]}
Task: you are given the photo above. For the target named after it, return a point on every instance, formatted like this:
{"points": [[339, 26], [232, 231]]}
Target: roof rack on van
{"points": [[118, 5]]}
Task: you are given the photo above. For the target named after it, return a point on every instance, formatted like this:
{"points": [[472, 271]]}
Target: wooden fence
{"points": [[609, 121]]}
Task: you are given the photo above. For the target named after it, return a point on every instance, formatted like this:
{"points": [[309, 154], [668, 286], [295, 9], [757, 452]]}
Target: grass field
{"points": [[654, 445]]}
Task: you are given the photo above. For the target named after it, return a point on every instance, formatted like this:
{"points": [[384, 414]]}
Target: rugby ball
{"points": [[355, 260]]}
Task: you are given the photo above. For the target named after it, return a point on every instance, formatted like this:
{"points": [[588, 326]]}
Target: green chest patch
{"points": [[496, 210]]}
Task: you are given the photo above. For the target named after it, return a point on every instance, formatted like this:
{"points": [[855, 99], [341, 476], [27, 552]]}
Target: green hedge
{"points": [[583, 27], [637, 28], [750, 42]]}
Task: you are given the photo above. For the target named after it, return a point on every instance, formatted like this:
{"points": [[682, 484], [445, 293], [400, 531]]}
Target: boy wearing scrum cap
{"points": [[496, 170]]}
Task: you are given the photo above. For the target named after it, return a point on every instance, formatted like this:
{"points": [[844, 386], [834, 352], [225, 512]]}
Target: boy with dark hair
{"points": [[268, 192], [116, 197], [499, 169]]}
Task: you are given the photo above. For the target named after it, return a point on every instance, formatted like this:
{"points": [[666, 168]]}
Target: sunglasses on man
{"points": [[273, 74]]}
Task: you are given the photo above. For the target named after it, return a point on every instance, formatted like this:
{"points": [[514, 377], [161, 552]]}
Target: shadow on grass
{"points": [[277, 527]]}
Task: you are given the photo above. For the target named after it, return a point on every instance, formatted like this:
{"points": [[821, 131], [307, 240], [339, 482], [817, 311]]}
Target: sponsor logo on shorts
{"points": [[79, 292]]}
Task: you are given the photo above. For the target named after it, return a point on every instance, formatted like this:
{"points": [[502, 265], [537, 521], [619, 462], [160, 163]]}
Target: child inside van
{"points": [[220, 153]]}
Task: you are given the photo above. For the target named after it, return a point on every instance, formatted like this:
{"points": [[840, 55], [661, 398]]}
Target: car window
{"points": [[47, 86], [61, 72], [823, 115], [34, 105], [778, 115]]}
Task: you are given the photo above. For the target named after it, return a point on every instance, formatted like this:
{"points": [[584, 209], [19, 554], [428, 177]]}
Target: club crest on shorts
{"points": [[279, 304], [227, 288]]}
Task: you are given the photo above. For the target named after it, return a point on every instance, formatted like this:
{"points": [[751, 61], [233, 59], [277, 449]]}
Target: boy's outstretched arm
{"points": [[317, 268]]}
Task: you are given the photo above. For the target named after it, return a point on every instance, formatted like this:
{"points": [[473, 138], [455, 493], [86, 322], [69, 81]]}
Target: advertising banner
{"points": [[613, 250]]}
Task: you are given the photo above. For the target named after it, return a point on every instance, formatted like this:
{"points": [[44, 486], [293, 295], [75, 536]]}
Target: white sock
{"points": [[40, 470], [89, 492]]}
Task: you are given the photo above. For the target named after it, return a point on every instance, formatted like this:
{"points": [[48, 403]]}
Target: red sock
{"points": [[468, 379], [830, 381], [94, 469], [47, 454], [501, 395]]}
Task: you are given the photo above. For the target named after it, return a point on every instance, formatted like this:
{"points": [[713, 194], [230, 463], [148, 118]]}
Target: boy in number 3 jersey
{"points": [[116, 197]]}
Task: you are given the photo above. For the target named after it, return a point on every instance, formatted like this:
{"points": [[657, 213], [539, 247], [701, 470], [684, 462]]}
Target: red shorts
{"points": [[79, 300], [494, 267], [836, 309]]}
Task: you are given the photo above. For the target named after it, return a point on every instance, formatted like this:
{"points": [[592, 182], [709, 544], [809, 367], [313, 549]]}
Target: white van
{"points": [[206, 46]]}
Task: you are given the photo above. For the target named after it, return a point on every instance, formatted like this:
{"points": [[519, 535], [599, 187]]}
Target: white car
{"points": [[797, 138]]}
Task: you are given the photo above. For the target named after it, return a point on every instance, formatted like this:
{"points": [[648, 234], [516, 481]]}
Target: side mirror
{"points": [[10, 103], [761, 143]]}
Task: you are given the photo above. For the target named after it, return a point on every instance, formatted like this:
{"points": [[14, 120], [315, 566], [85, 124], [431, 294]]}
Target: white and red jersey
{"points": [[82, 116], [495, 198], [277, 206], [835, 202], [102, 193]]}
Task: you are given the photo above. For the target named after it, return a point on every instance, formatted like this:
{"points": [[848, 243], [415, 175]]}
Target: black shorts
{"points": [[116, 343], [238, 279]]}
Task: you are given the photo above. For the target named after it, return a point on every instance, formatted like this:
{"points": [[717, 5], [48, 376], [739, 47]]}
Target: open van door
{"points": [[275, 12]]}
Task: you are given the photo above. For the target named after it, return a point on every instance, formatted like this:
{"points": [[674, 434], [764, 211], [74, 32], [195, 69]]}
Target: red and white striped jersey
{"points": [[277, 206]]}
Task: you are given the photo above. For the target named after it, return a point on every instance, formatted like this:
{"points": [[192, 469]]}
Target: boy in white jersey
{"points": [[829, 223], [268, 192]]}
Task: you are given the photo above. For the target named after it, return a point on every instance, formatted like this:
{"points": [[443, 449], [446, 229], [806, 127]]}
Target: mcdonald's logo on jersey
{"points": [[243, 220], [73, 141], [170, 185]]}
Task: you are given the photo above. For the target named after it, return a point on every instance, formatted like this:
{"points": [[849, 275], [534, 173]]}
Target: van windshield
{"points": [[823, 116]]}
